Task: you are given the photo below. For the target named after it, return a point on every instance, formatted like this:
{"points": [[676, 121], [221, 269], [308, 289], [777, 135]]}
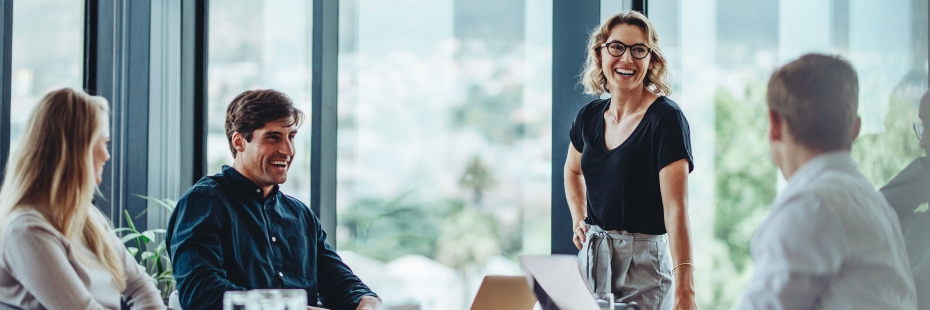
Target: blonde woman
{"points": [[57, 251], [626, 174]]}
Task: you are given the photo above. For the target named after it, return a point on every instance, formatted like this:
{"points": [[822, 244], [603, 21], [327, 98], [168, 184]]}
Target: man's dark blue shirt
{"points": [[225, 235]]}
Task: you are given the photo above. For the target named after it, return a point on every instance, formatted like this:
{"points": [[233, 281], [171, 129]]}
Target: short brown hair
{"points": [[818, 96], [592, 76], [252, 109]]}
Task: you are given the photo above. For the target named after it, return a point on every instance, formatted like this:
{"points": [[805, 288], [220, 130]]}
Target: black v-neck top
{"points": [[623, 183]]}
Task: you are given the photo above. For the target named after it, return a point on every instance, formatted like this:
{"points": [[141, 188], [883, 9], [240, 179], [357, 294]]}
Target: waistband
{"points": [[600, 250], [621, 234]]}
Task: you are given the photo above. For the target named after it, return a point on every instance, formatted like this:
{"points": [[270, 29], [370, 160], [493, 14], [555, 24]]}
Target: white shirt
{"points": [[41, 269], [830, 242]]}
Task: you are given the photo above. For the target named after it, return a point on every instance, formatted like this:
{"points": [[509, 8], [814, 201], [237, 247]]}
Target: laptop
{"points": [[557, 282], [504, 293]]}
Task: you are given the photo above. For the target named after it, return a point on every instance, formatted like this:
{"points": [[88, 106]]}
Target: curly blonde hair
{"points": [[657, 78]]}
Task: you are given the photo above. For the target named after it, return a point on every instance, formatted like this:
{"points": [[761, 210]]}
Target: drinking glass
{"points": [[270, 299], [238, 300], [294, 299]]}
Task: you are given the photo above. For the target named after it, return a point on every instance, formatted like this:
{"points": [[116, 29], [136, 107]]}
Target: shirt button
{"points": [[258, 190], [273, 239], [281, 274]]}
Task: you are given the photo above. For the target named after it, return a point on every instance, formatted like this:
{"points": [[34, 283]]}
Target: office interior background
{"points": [[438, 129]]}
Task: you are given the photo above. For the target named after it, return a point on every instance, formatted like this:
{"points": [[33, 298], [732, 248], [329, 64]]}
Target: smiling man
{"points": [[236, 231]]}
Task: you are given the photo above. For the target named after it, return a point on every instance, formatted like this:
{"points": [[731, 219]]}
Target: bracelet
{"points": [[682, 264]]}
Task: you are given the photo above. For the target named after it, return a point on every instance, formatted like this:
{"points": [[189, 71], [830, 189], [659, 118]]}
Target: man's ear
{"points": [[238, 142], [775, 126], [856, 127]]}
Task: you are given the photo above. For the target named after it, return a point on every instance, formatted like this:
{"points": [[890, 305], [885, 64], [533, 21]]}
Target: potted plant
{"points": [[142, 245]]}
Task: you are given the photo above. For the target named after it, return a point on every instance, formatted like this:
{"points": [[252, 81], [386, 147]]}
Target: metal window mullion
{"points": [[323, 114], [164, 179], [6, 59], [193, 118], [571, 22], [642, 6], [118, 103], [117, 68]]}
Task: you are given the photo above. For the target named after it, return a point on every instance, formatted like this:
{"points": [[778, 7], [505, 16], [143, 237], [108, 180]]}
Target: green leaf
{"points": [[132, 251], [129, 220], [146, 255], [121, 229], [129, 237], [167, 204], [158, 231], [149, 235]]}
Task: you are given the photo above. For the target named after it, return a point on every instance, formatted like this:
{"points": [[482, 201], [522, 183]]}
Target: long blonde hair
{"points": [[592, 76], [52, 172]]}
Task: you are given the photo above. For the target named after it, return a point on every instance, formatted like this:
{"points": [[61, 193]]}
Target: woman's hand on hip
{"points": [[579, 233]]}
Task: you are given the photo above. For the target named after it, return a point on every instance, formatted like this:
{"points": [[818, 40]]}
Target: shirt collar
{"points": [[836, 160], [251, 190]]}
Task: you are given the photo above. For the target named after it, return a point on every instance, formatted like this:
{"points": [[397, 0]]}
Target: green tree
{"points": [[386, 230], [492, 114], [745, 183], [468, 238], [477, 178], [882, 156]]}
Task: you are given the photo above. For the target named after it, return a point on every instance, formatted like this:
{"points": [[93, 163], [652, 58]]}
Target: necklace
{"points": [[613, 118]]}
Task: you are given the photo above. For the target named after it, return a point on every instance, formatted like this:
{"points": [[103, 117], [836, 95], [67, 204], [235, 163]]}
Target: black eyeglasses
{"points": [[616, 49], [919, 130]]}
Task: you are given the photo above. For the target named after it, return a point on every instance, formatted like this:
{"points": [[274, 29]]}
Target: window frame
{"points": [[6, 60]]}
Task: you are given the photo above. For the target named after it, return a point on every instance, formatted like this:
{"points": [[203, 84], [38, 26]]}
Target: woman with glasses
{"points": [[57, 250], [627, 169]]}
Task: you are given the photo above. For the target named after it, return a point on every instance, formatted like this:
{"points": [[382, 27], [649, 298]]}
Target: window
{"points": [[257, 44], [48, 37], [721, 54], [444, 144]]}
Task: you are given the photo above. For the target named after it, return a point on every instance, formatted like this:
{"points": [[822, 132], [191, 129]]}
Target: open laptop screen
{"points": [[557, 282]]}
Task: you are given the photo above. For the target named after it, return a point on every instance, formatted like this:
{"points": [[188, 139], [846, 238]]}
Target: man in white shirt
{"points": [[830, 241]]}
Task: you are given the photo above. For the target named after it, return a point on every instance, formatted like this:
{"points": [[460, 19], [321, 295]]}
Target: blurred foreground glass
{"points": [[269, 299], [238, 300]]}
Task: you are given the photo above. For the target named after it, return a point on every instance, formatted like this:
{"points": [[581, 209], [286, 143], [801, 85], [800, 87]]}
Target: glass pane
{"points": [[721, 54], [444, 144], [48, 40], [256, 44]]}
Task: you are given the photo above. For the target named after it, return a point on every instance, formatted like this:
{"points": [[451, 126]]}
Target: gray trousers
{"points": [[634, 267]]}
